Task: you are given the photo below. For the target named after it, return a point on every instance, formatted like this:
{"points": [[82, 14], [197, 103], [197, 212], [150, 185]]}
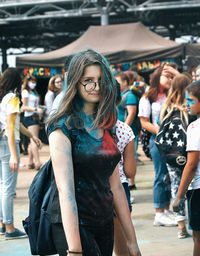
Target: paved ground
{"points": [[153, 241]]}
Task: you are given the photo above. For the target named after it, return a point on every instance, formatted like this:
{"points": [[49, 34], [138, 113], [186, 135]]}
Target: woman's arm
{"points": [[27, 133], [123, 213], [13, 163], [131, 110], [187, 176], [147, 125], [129, 160], [61, 155]]}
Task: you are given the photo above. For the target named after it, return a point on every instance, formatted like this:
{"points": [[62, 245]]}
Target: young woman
{"points": [[85, 157], [32, 114], [191, 174], [128, 111], [149, 110], [10, 85], [174, 105], [54, 87]]}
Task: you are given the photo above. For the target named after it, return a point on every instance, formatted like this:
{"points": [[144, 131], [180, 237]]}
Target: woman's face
{"points": [[193, 103], [89, 84], [123, 84], [165, 80], [58, 83], [32, 84]]}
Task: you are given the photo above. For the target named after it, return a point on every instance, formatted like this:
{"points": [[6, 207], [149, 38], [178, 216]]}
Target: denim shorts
{"points": [[193, 198], [31, 120]]}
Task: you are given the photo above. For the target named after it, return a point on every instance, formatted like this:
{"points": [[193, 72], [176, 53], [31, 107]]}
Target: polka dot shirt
{"points": [[125, 135]]}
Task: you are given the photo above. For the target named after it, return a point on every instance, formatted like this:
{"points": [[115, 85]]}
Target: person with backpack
{"points": [[190, 180], [173, 140], [10, 85], [128, 111], [84, 157], [149, 110]]}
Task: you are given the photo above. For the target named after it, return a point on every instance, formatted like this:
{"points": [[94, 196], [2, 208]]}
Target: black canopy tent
{"points": [[119, 43]]}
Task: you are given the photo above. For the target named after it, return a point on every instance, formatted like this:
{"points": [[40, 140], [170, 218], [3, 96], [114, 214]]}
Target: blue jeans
{"points": [[136, 146], [161, 186], [8, 181]]}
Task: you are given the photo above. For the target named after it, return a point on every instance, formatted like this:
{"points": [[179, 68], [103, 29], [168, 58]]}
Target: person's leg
{"points": [[9, 180], [34, 129], [193, 198], [2, 226], [161, 187], [175, 177], [196, 239]]}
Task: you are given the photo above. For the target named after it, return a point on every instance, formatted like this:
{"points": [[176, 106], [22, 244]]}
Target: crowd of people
{"points": [[94, 120]]}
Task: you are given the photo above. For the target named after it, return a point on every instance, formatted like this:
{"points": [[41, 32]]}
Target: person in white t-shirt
{"points": [[32, 115], [149, 109], [54, 87], [191, 174], [10, 85]]}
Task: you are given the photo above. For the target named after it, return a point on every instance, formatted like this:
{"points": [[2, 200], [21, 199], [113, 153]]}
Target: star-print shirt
{"points": [[193, 144], [94, 161], [125, 135]]}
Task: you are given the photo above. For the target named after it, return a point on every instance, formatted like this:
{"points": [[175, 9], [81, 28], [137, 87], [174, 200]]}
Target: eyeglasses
{"points": [[90, 86]]}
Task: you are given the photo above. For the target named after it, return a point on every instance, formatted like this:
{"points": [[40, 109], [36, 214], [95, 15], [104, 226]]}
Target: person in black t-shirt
{"points": [[85, 157]]}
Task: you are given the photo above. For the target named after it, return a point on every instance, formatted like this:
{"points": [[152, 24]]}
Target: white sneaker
{"points": [[170, 214], [164, 220], [132, 199]]}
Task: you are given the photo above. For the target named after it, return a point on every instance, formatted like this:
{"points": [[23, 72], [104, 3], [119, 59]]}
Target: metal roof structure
{"points": [[50, 24]]}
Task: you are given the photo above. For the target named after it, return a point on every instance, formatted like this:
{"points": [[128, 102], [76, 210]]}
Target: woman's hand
{"points": [[37, 142], [168, 70], [176, 204], [133, 249], [13, 163], [40, 112]]}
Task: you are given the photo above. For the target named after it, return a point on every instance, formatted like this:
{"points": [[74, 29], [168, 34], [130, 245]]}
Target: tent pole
{"points": [[104, 16]]}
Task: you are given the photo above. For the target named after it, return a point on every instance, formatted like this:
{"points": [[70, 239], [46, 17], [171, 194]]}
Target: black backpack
{"points": [[38, 224], [41, 193], [171, 140]]}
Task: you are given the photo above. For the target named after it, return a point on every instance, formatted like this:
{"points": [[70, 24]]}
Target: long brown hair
{"points": [[51, 85], [10, 80], [176, 97], [105, 115], [153, 91]]}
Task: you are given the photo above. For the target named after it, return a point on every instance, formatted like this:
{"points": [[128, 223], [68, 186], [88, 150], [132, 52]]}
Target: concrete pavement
{"points": [[153, 241]]}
